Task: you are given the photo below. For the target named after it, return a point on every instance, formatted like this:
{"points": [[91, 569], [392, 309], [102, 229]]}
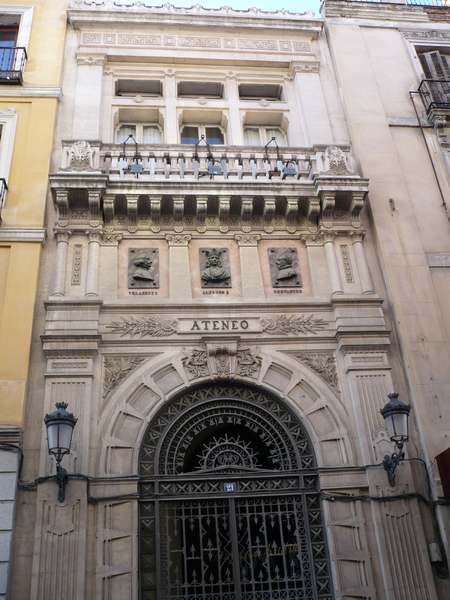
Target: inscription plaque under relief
{"points": [[284, 269], [143, 268]]}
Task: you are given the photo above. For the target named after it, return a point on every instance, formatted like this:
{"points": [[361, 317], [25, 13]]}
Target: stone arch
{"points": [[134, 403]]}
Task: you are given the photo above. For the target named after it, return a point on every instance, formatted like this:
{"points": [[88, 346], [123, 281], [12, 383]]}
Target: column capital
{"points": [[247, 239], [94, 236], [178, 239], [62, 235]]}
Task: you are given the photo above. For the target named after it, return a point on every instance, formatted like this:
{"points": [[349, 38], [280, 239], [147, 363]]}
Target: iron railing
{"points": [[435, 94], [12, 64]]}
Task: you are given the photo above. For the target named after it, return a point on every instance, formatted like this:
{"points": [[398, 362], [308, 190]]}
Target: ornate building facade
{"points": [[31, 50], [225, 308]]}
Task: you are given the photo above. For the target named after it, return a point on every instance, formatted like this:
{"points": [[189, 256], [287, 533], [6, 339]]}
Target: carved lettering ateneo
{"points": [[215, 326], [293, 325]]}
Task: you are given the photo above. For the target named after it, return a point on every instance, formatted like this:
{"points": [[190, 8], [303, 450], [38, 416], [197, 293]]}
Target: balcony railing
{"points": [[435, 94], [12, 64], [220, 163]]}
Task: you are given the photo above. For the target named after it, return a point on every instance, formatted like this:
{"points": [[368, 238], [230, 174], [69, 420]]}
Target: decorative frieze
{"points": [[347, 263], [222, 360]]}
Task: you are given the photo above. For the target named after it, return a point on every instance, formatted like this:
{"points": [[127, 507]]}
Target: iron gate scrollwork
{"points": [[229, 501]]}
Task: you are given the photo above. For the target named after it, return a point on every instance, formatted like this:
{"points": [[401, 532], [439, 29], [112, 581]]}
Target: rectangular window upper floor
{"points": [[15, 31], [8, 119]]}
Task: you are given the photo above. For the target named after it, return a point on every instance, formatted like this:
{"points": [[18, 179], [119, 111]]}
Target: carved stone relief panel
{"points": [[143, 268], [284, 269], [215, 268]]}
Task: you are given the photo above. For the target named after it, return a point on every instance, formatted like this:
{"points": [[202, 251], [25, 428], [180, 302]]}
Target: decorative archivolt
{"points": [[143, 388]]}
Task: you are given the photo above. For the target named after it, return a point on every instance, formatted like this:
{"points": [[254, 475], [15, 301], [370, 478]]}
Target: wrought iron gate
{"points": [[230, 508]]}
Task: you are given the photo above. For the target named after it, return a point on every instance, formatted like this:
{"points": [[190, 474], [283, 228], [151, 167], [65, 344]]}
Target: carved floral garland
{"points": [[292, 324], [151, 326]]}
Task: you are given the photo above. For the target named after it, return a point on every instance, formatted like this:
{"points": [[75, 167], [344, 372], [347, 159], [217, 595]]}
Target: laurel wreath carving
{"points": [[147, 326], [293, 324]]}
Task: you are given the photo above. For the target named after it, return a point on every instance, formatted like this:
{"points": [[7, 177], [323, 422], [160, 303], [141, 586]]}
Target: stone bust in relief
{"points": [[285, 267], [214, 271], [143, 270]]}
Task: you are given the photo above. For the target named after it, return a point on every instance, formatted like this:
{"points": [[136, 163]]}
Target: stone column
{"points": [[180, 286], [252, 283], [311, 98], [333, 267], [235, 131], [363, 268], [92, 263], [62, 244], [88, 97], [170, 101]]}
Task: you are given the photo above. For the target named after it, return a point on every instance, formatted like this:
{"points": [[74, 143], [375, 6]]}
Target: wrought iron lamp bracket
{"points": [[62, 479], [390, 463]]}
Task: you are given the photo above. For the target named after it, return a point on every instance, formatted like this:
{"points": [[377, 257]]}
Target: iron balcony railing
{"points": [[12, 64], [435, 94]]}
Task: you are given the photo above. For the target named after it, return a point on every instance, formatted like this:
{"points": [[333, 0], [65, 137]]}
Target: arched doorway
{"points": [[229, 501]]}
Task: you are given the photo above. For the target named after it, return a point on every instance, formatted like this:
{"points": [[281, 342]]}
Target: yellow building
{"points": [[31, 50]]}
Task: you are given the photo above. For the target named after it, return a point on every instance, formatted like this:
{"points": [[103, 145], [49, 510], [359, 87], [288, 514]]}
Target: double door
{"points": [[247, 548]]}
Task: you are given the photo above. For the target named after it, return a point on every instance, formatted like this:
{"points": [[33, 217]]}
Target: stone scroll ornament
{"points": [[143, 268], [284, 270], [215, 268]]}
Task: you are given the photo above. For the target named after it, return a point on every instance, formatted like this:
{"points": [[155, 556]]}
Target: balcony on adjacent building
{"points": [[435, 96], [12, 64]]}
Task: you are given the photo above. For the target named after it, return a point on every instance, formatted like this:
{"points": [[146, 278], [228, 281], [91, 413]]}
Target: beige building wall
{"points": [[131, 358]]}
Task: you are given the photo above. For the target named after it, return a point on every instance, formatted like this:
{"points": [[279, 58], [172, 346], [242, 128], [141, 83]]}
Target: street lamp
{"points": [[395, 414], [60, 425]]}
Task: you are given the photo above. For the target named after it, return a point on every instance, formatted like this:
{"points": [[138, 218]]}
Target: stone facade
{"points": [[243, 277]]}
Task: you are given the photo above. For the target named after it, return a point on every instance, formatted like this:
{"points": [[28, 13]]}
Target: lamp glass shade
{"points": [[396, 414], [60, 425]]}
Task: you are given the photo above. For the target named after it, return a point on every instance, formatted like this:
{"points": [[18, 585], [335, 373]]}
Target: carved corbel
{"points": [[201, 206], [155, 209], [357, 205], [108, 207], [247, 208], [224, 209], [62, 203], [94, 197], [178, 208], [269, 209], [291, 210], [313, 208], [132, 203], [328, 201]]}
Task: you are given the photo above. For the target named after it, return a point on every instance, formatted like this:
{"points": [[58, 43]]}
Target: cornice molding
{"points": [[31, 92], [12, 234]]}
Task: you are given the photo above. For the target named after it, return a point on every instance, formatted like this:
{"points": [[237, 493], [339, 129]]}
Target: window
{"points": [[143, 133], [435, 65], [259, 136], [15, 30], [138, 87], [195, 89], [7, 134], [191, 134], [435, 92], [257, 91]]}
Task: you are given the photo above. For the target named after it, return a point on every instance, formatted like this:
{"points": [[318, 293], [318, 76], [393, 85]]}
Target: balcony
{"points": [[12, 64], [435, 96]]}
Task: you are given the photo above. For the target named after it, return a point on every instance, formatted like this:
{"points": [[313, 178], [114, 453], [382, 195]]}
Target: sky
{"points": [[293, 5]]}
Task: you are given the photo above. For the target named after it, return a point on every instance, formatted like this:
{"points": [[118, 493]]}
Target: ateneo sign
{"points": [[220, 325]]}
